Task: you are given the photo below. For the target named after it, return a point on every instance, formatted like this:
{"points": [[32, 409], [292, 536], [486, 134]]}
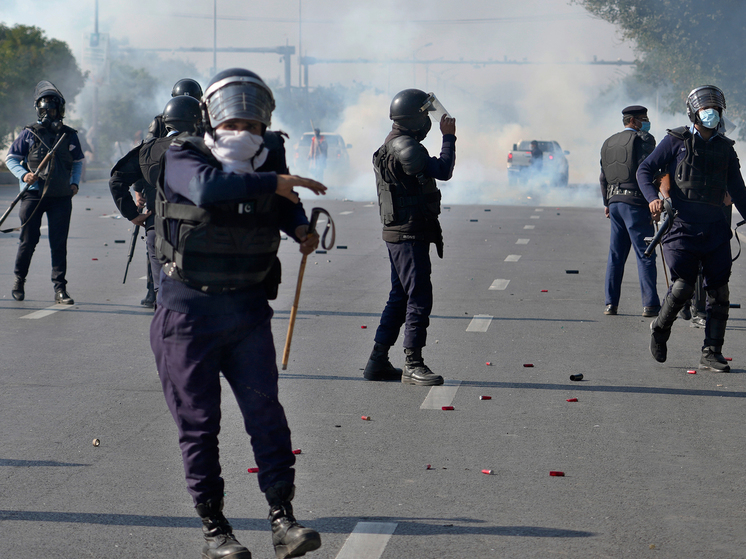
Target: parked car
{"points": [[337, 158], [553, 168]]}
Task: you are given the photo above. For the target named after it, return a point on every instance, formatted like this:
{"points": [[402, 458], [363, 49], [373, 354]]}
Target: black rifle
{"points": [[665, 227], [133, 242]]}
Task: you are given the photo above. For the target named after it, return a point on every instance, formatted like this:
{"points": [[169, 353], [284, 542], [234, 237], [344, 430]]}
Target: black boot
{"points": [[149, 300], [713, 359], [62, 297], [219, 540], [415, 370], [379, 367], [658, 339], [18, 293], [289, 538], [660, 328]]}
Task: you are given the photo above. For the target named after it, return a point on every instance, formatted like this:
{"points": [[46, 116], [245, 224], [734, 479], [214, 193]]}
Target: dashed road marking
{"points": [[499, 284], [539, 210], [535, 216], [529, 226], [513, 258], [480, 323], [522, 241], [367, 541], [345, 213], [440, 396], [45, 312]]}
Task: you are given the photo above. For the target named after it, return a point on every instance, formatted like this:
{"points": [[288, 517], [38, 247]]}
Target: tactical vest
{"points": [[150, 157], [57, 174], [402, 196], [220, 248], [702, 175], [621, 155]]}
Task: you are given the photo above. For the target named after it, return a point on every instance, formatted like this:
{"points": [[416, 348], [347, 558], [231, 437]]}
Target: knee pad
{"points": [[719, 297], [682, 291]]}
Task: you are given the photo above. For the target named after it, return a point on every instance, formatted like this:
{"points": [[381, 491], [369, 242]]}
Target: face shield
{"points": [[435, 108]]}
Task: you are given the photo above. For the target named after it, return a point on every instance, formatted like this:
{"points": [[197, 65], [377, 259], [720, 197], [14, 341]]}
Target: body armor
{"points": [[621, 154], [221, 248], [702, 175], [402, 196], [57, 174], [150, 155]]}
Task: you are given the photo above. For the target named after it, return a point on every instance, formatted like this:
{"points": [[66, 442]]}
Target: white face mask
{"points": [[238, 151]]}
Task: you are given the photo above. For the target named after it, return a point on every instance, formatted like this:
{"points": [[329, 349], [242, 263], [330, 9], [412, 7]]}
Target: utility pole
{"points": [[95, 92], [214, 37]]}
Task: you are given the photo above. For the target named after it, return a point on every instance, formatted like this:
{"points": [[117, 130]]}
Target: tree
{"points": [[682, 44], [27, 57]]}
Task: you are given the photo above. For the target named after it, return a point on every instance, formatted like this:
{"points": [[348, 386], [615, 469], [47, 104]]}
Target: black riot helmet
{"points": [[46, 98], [182, 114], [702, 97], [187, 86], [409, 110], [237, 93]]}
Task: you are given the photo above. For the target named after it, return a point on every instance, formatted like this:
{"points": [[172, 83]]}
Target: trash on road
{"points": [[96, 442], [556, 473], [447, 408], [572, 399], [577, 377], [488, 472], [485, 397], [253, 470]]}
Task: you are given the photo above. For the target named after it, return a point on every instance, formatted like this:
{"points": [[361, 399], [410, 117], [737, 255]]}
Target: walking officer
{"points": [[409, 203], [703, 167], [627, 208], [219, 211], [141, 167], [50, 192]]}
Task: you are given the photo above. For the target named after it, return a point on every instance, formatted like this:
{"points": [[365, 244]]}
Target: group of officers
{"points": [[694, 176], [213, 191]]}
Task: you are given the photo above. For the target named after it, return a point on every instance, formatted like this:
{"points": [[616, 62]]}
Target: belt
{"points": [[619, 191]]}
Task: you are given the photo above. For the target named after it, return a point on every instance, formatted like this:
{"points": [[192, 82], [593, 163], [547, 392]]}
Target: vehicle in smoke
{"points": [[553, 169], [338, 160]]}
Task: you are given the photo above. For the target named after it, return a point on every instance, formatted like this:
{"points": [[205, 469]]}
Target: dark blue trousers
{"points": [[629, 227], [411, 297], [58, 212], [687, 246], [154, 265], [191, 351]]}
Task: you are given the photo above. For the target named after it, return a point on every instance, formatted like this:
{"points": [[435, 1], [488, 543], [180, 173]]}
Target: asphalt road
{"points": [[653, 456]]}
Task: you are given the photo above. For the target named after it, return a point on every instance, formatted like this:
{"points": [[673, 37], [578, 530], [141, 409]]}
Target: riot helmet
{"points": [[50, 105], [237, 93], [182, 114], [409, 110], [705, 96], [187, 86]]}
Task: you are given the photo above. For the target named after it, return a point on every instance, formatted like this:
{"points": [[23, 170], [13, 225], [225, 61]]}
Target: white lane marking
{"points": [[440, 396], [45, 312], [345, 213], [43, 227], [522, 241], [535, 216], [529, 226], [479, 323], [367, 540], [144, 277], [539, 210], [513, 258], [499, 284]]}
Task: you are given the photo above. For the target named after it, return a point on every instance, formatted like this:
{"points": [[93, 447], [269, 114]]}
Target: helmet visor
{"points": [[706, 97], [435, 108], [244, 98]]}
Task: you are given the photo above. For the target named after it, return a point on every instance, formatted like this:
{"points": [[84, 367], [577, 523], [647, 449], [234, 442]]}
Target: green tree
{"points": [[27, 57], [682, 44]]}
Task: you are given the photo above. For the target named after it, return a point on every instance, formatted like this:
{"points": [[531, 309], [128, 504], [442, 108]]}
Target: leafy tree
{"points": [[27, 57], [682, 44]]}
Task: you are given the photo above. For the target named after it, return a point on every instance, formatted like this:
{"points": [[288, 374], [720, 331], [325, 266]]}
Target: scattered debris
{"points": [[428, 467], [572, 399], [297, 451], [556, 473], [545, 291], [120, 241], [528, 364], [365, 418], [320, 252], [729, 359], [488, 472], [363, 326], [96, 442], [473, 220], [485, 397], [577, 377], [735, 305], [692, 371], [489, 363], [253, 470], [447, 408], [572, 271], [341, 246], [94, 258]]}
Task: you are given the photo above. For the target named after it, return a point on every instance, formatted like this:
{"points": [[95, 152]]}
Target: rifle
{"points": [[294, 310], [42, 165], [665, 227], [133, 242]]}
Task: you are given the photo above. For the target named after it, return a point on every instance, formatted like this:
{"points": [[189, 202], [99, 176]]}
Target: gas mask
{"points": [[48, 113]]}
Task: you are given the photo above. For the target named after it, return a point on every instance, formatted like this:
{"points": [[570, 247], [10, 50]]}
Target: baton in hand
{"points": [[294, 310]]}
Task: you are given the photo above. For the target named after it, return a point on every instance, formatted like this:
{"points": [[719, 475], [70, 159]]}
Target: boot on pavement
{"points": [[416, 372], [379, 367], [289, 538], [18, 292], [220, 543]]}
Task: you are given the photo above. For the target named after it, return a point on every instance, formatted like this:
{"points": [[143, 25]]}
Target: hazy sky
{"points": [[495, 105]]}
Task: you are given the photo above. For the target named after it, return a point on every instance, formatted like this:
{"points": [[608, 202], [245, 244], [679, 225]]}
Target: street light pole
{"points": [[214, 37], [414, 63]]}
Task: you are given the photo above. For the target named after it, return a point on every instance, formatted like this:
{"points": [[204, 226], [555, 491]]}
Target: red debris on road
{"points": [[297, 451], [488, 472], [485, 397], [253, 470], [572, 399], [489, 363], [556, 473], [692, 372], [528, 364], [447, 408], [365, 418]]}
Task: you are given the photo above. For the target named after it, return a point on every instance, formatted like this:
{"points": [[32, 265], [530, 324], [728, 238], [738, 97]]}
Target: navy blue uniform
{"points": [[411, 297], [197, 335]]}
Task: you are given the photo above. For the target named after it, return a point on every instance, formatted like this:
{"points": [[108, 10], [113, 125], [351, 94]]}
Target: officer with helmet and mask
{"points": [[49, 192], [703, 169], [141, 167], [221, 202], [409, 203], [185, 86], [627, 209]]}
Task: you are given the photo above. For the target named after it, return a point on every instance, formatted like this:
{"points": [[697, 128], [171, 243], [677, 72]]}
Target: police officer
{"points": [[703, 167], [185, 86], [141, 166], [409, 203], [219, 209], [627, 209], [49, 192]]}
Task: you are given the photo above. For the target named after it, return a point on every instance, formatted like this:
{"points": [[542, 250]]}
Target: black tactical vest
{"points": [[702, 175], [223, 247], [56, 177], [150, 157], [621, 155], [402, 196]]}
